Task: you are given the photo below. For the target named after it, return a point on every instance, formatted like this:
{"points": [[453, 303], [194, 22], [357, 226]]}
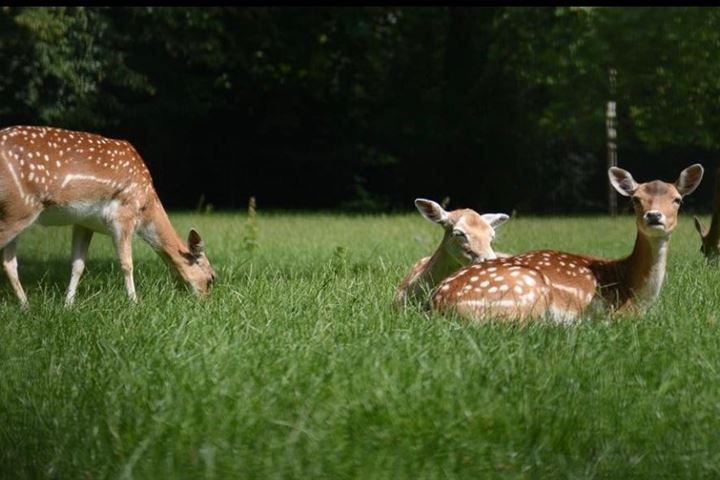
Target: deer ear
{"points": [[432, 211], [623, 182], [698, 226], [689, 179], [495, 219], [195, 243]]}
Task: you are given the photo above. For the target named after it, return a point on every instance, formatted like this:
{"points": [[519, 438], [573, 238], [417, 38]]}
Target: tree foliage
{"points": [[497, 108]]}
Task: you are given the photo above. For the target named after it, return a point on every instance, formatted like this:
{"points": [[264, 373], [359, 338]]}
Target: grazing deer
{"points": [[61, 177], [563, 285], [710, 238], [468, 237]]}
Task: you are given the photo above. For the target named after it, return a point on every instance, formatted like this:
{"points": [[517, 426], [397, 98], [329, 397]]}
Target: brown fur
{"points": [[47, 172], [563, 285], [452, 253]]}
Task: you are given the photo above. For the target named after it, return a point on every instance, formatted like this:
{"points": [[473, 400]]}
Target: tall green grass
{"points": [[297, 367]]}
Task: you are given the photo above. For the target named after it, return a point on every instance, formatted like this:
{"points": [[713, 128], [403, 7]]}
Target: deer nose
{"points": [[653, 217]]}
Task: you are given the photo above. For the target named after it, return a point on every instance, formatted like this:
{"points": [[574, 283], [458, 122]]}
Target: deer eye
{"points": [[678, 201], [636, 200], [459, 234]]}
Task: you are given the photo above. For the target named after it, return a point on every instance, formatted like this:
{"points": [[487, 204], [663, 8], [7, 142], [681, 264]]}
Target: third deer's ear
{"points": [[689, 179], [495, 219], [698, 226], [195, 243], [623, 182], [432, 211]]}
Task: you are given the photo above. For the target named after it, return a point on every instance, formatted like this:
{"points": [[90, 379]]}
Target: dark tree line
{"points": [[496, 108]]}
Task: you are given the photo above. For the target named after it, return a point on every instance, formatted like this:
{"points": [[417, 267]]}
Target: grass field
{"points": [[297, 367]]}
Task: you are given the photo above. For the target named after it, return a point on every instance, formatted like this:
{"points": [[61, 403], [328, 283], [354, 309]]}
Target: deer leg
{"points": [[122, 237], [81, 237], [10, 265], [10, 228]]}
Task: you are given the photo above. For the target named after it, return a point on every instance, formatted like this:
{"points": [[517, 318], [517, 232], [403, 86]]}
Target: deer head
{"points": [[656, 203], [709, 239], [468, 235], [198, 274]]}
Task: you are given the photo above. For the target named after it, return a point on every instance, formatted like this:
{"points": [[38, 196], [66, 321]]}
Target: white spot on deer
{"points": [[484, 284], [474, 279], [514, 274], [492, 290], [504, 288], [499, 279], [18, 185], [70, 177], [518, 289], [445, 288]]}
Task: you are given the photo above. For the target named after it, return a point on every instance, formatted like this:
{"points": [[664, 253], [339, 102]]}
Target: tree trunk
{"points": [[610, 124]]}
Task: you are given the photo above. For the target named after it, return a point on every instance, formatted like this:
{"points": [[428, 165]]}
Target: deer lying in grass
{"points": [[467, 239], [563, 285], [61, 177]]}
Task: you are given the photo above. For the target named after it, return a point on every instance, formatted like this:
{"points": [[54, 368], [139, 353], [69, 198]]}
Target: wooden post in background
{"points": [[610, 123]]}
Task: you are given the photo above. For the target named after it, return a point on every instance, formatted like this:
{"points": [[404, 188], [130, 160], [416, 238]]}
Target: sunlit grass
{"points": [[297, 367]]}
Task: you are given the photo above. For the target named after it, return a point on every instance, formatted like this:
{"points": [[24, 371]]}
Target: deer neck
{"points": [[644, 270], [159, 233], [440, 266], [713, 233]]}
